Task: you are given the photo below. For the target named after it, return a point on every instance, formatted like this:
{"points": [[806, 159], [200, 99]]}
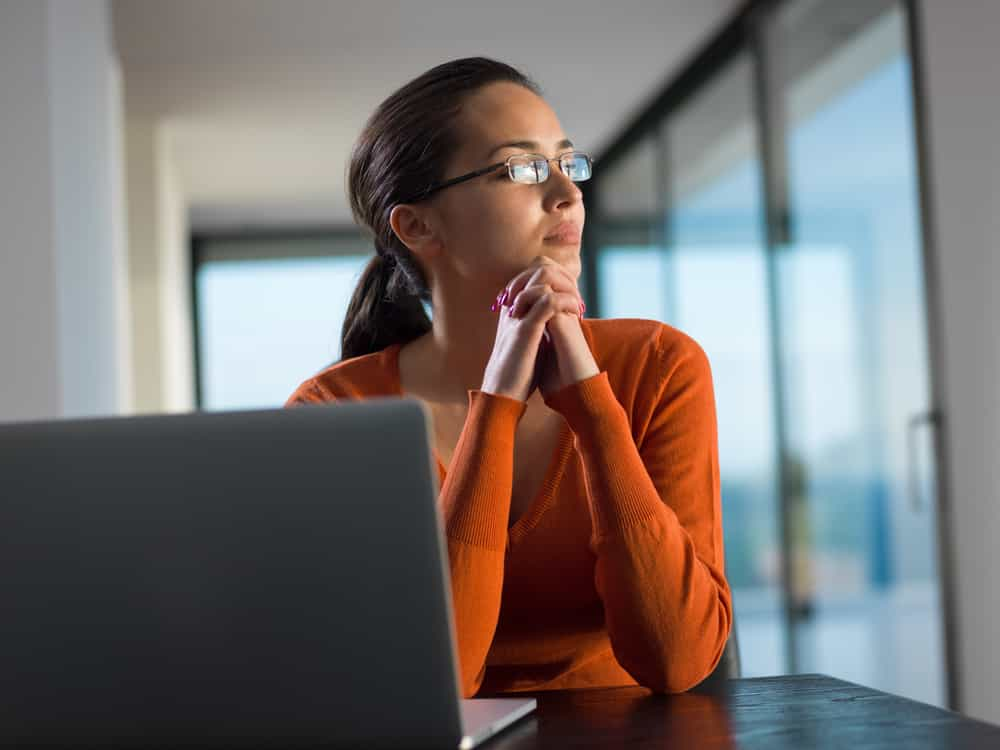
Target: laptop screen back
{"points": [[254, 576]]}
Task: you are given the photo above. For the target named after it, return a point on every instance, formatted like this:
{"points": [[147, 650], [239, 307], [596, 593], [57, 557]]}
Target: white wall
{"points": [[143, 253], [175, 285], [962, 90], [159, 262], [63, 321]]}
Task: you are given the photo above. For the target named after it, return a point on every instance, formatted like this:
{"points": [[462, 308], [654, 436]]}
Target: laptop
{"points": [[257, 578]]}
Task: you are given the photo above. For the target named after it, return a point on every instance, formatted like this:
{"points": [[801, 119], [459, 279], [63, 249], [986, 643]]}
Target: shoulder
{"points": [[646, 361], [366, 376], [635, 342]]}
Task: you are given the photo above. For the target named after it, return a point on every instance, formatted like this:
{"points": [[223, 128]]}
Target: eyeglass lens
{"points": [[530, 170]]}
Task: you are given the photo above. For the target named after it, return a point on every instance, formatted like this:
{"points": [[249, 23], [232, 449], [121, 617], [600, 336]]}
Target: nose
{"points": [[560, 190]]}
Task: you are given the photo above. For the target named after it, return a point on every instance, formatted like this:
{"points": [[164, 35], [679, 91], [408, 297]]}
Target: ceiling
{"points": [[261, 100]]}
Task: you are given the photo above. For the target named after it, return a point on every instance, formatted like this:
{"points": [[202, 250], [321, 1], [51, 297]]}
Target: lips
{"points": [[566, 232]]}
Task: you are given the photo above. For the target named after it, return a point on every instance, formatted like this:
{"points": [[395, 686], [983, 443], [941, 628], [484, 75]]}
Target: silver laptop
{"points": [[265, 578]]}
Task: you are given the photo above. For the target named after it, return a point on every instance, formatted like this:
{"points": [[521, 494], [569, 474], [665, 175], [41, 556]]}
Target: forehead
{"points": [[504, 112]]}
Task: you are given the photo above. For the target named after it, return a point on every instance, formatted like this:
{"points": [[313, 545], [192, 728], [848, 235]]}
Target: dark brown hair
{"points": [[404, 148]]}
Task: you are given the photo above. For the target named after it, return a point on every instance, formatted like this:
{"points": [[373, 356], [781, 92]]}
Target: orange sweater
{"points": [[614, 574]]}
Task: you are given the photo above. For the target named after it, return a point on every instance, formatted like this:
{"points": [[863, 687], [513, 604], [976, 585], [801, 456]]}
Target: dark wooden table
{"points": [[798, 712]]}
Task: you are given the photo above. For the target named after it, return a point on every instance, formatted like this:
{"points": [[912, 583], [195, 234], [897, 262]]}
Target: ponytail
{"points": [[386, 307]]}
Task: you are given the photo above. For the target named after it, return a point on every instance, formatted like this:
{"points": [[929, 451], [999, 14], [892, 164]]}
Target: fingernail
{"points": [[504, 296], [493, 307], [583, 307]]}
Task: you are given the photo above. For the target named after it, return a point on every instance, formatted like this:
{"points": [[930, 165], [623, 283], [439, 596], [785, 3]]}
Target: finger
{"points": [[542, 271], [559, 281], [520, 281], [527, 298], [548, 305], [555, 275]]}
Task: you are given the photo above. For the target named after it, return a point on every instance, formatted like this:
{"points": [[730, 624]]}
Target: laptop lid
{"points": [[267, 578]]}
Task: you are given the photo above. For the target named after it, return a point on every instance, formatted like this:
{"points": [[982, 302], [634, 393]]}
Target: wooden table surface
{"points": [[798, 712]]}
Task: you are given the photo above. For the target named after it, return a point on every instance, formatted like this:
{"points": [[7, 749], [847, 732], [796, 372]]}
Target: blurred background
{"points": [[809, 188]]}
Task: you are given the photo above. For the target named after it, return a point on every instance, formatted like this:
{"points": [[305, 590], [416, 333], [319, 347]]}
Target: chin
{"points": [[567, 255]]}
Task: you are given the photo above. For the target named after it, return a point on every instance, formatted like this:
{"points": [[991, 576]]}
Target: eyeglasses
{"points": [[525, 169]]}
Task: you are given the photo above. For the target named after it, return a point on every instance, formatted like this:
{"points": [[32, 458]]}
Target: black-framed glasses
{"points": [[525, 169]]}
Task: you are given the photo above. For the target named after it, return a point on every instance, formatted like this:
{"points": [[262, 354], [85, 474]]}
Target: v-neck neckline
{"points": [[545, 495]]}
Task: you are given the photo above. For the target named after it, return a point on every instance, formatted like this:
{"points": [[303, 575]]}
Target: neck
{"points": [[451, 359], [463, 334]]}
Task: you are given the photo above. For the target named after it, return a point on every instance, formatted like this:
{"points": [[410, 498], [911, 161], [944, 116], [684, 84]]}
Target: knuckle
{"points": [[555, 276]]}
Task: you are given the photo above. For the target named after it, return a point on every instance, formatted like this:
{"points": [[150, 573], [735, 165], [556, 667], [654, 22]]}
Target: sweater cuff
{"points": [[587, 403], [605, 439], [500, 412]]}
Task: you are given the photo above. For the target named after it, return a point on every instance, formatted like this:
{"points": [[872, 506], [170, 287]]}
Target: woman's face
{"points": [[491, 227]]}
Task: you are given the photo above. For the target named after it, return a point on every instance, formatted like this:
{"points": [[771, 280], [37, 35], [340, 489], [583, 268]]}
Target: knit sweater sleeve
{"points": [[475, 503], [656, 510]]}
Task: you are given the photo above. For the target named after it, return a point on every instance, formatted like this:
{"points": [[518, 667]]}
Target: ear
{"points": [[415, 228]]}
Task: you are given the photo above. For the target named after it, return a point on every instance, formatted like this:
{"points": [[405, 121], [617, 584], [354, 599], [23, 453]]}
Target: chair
{"points": [[729, 667]]}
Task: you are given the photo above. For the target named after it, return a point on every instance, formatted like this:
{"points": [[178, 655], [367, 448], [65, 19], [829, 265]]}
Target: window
{"points": [[269, 314]]}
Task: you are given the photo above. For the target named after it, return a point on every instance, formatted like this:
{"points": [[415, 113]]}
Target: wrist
{"points": [[493, 389]]}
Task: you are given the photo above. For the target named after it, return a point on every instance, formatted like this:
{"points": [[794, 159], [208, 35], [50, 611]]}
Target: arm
{"points": [[656, 513], [475, 504]]}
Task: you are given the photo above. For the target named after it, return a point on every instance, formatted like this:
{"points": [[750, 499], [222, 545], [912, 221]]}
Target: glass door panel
{"points": [[716, 245], [693, 257], [854, 349]]}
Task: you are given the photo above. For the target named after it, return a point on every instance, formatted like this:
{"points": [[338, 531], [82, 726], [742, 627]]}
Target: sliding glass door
{"points": [[854, 354], [772, 213], [682, 240]]}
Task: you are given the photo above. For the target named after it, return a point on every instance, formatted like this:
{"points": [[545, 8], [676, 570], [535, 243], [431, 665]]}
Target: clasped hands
{"points": [[539, 341]]}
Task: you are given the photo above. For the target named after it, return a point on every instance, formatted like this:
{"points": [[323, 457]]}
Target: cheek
{"points": [[493, 235]]}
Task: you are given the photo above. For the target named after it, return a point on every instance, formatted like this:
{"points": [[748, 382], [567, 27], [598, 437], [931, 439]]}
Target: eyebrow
{"points": [[529, 145]]}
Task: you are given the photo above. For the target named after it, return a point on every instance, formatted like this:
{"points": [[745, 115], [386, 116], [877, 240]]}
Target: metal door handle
{"points": [[931, 417]]}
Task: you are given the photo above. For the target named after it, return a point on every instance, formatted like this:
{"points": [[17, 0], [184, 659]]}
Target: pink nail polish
{"points": [[504, 296], [493, 307]]}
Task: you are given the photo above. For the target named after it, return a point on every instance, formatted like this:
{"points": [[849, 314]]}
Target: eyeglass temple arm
{"points": [[456, 180]]}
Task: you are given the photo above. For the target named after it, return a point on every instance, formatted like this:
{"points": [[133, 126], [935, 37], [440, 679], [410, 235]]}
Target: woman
{"points": [[578, 458]]}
